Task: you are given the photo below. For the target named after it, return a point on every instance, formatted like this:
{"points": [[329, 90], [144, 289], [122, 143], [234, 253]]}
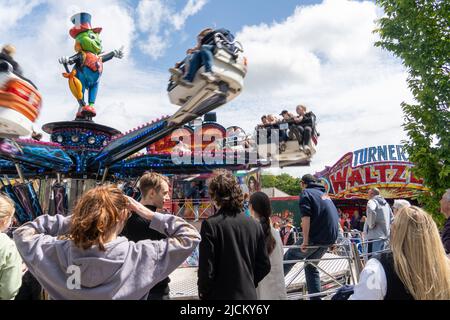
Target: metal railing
{"points": [[354, 252]]}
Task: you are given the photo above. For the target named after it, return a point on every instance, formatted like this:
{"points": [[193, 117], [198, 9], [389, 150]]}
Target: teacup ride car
{"points": [[285, 154], [229, 69], [20, 103]]}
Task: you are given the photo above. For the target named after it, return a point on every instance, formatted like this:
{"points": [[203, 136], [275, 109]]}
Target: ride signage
{"points": [[385, 167]]}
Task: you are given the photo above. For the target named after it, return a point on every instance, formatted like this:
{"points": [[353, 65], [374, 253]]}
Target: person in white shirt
{"points": [[417, 268], [272, 287]]}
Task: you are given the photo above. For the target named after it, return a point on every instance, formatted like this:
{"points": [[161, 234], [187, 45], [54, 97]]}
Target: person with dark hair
{"points": [[272, 286], [7, 54], [233, 254], [195, 196], [320, 226], [264, 121], [253, 185], [201, 55]]}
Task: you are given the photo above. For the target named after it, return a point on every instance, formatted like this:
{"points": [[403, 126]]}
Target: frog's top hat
{"points": [[82, 22]]}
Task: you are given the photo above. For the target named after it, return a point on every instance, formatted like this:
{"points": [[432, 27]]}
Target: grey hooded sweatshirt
{"points": [[379, 218], [126, 270]]}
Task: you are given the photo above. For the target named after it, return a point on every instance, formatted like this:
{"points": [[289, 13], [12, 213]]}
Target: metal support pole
{"points": [[105, 173], [19, 171], [357, 260]]}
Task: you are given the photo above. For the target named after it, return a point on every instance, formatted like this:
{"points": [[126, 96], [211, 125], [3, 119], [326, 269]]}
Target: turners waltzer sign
{"points": [[385, 167]]}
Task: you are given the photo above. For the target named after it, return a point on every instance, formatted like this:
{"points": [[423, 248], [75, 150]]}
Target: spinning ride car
{"points": [[20, 103], [229, 69]]}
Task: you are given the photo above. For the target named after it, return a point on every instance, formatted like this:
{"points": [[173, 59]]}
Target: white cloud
{"points": [[151, 14], [13, 10], [191, 8], [127, 96], [323, 56], [158, 16], [155, 46]]}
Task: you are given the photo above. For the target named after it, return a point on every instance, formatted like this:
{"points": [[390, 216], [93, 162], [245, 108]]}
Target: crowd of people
{"points": [[299, 126], [114, 247]]}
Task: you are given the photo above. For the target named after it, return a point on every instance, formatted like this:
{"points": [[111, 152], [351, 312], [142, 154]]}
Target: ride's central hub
{"points": [[80, 139], [80, 135]]}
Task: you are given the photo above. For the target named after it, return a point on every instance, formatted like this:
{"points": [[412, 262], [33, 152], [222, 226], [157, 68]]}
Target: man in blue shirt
{"points": [[320, 226]]}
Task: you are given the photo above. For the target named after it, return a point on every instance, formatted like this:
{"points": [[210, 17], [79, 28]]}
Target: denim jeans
{"points": [[375, 246], [311, 272], [283, 136], [203, 57], [158, 296]]}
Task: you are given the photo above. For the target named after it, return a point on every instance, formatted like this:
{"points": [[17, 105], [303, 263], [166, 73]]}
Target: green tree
{"points": [[417, 32], [284, 182]]}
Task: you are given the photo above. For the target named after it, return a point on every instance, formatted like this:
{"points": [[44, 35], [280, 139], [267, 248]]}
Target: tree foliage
{"points": [[418, 32], [284, 182]]}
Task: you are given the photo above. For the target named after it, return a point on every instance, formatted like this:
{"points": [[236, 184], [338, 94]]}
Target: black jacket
{"points": [[137, 229], [317, 205], [395, 290], [308, 120], [233, 257], [446, 236]]}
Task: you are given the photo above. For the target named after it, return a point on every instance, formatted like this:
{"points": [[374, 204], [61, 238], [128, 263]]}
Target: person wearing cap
{"points": [[7, 54], [320, 226], [399, 204], [286, 115]]}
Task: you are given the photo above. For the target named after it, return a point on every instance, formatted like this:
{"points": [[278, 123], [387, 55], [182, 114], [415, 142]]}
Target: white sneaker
{"points": [[208, 76], [175, 71], [307, 149]]}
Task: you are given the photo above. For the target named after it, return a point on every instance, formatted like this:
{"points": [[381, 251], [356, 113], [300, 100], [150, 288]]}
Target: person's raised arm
{"points": [[182, 239], [31, 237]]}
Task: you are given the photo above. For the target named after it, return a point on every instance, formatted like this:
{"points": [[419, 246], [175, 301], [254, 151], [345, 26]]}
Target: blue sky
{"points": [[231, 14], [316, 53]]}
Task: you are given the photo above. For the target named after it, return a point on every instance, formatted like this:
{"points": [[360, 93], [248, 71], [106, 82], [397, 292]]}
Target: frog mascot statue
{"points": [[88, 63]]}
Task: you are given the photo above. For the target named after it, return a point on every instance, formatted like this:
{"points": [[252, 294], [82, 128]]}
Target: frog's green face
{"points": [[90, 41]]}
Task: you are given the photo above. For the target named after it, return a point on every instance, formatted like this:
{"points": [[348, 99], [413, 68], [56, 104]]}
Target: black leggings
{"points": [[303, 134]]}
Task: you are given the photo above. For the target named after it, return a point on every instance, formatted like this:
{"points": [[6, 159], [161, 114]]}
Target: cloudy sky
{"points": [[317, 53]]}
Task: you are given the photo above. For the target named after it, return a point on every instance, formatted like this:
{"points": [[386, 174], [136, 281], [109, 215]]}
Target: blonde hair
{"points": [[301, 107], [7, 208], [419, 256], [96, 216], [9, 49]]}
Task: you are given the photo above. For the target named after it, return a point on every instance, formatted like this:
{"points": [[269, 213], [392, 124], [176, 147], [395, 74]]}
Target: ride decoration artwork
{"points": [[88, 64], [385, 167]]}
